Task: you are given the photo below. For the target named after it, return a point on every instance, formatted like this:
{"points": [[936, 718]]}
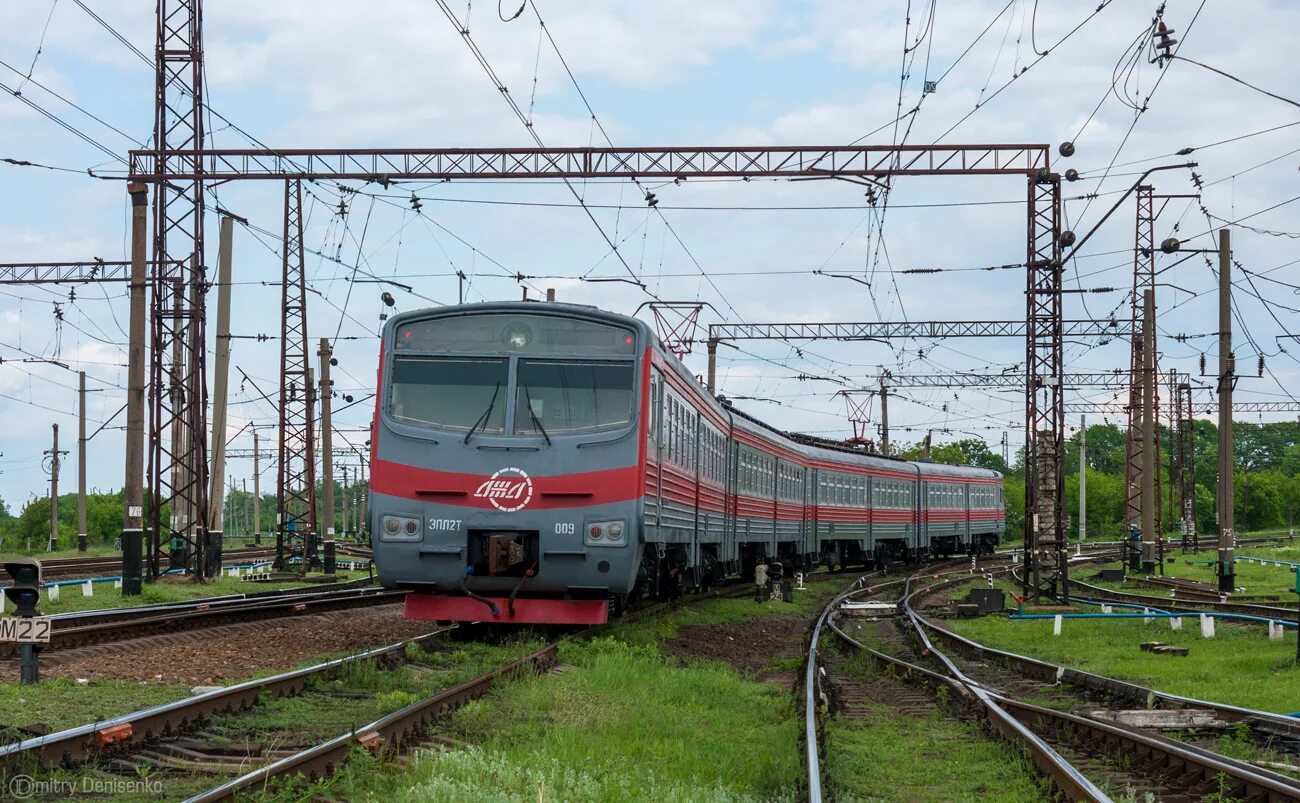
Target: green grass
{"points": [[1240, 666], [329, 707], [654, 629], [106, 596], [622, 724], [61, 703], [890, 756]]}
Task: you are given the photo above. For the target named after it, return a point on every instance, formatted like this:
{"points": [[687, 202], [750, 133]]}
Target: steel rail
{"points": [[390, 732], [102, 615], [812, 741], [69, 746], [400, 729], [1255, 781], [1185, 606], [202, 615], [1141, 696]]}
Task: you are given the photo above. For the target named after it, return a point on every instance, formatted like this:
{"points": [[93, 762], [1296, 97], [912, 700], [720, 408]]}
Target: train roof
{"points": [[807, 445]]}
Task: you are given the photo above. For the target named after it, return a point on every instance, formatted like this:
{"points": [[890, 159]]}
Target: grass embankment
{"points": [[1240, 666], [357, 695], [625, 720], [1253, 579], [71, 597], [629, 719], [920, 757]]}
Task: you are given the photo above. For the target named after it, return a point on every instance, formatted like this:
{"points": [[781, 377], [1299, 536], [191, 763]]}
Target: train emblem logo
{"points": [[509, 489]]}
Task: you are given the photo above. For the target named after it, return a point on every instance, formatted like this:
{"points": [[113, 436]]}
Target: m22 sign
{"points": [[25, 631]]}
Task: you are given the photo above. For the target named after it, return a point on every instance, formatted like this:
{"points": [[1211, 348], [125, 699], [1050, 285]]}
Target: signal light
{"points": [[24, 593]]}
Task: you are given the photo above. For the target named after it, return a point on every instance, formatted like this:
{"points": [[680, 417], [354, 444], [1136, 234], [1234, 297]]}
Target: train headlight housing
{"points": [[400, 528], [606, 533]]}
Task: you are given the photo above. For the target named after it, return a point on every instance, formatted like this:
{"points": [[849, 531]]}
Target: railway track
{"points": [[170, 738], [76, 568], [1176, 605], [1091, 751], [76, 631]]}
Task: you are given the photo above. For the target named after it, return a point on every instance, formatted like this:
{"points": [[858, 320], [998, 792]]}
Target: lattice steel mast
{"points": [[296, 486], [178, 469]]}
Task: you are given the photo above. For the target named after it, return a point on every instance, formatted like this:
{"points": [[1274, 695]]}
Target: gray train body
{"points": [[540, 461]]}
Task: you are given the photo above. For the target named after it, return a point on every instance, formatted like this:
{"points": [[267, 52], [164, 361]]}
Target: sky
{"points": [[398, 73]]}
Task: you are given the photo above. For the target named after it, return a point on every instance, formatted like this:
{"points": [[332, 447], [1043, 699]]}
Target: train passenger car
{"points": [[544, 462], [962, 509]]}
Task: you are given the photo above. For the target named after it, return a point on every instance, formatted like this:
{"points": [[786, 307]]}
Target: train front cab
{"points": [[505, 484]]}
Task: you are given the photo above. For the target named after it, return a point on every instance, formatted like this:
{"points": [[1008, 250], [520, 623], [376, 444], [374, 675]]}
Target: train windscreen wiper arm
{"points": [[486, 413], [528, 400]]}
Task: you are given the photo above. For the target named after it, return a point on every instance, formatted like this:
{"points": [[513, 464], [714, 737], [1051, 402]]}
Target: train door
{"points": [[926, 495], [966, 494], [654, 450], [729, 538]]}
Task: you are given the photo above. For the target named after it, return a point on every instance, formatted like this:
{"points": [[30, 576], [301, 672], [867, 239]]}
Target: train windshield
{"points": [[450, 393], [572, 396]]}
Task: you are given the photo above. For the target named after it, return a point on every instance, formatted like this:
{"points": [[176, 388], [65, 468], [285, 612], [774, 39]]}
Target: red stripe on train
{"points": [[549, 493]]}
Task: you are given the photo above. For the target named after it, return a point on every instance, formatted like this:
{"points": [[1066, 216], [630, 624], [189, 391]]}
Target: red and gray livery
{"points": [[550, 463]]}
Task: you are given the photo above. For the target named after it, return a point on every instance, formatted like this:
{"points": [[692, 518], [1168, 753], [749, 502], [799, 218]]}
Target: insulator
{"points": [[1260, 367], [334, 360], [388, 299], [1170, 245], [1067, 238], [1067, 149], [1202, 362], [1071, 175]]}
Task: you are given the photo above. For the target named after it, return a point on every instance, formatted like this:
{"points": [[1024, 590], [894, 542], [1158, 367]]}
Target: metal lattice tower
{"points": [[296, 486], [1045, 552], [178, 466], [1144, 260]]}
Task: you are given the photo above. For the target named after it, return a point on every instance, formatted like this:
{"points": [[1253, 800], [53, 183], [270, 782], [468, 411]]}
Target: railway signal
{"points": [[27, 627]]}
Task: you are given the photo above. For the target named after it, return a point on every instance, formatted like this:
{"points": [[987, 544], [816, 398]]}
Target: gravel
{"points": [[228, 653]]}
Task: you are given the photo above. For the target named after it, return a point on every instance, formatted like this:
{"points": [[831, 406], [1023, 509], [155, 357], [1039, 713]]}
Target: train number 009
{"points": [[565, 528], [444, 524]]}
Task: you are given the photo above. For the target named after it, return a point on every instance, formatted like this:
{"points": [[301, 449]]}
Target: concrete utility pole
{"points": [[221, 383], [347, 520], [711, 377], [81, 462], [363, 526], [257, 493], [133, 492], [1083, 477], [1149, 497], [247, 529], [1227, 369], [54, 491], [326, 441], [179, 559], [884, 418]]}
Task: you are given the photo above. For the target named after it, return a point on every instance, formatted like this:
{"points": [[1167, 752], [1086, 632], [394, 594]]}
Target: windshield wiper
{"points": [[528, 400], [483, 418]]}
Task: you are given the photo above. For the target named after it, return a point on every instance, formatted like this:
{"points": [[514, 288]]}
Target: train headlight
{"points": [[605, 533], [400, 528]]}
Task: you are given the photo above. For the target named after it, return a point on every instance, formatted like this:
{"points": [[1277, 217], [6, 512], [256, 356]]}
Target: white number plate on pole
{"points": [[35, 630]]}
